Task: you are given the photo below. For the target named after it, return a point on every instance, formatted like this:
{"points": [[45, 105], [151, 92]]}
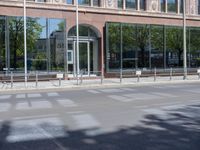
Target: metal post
{"points": [[11, 79], [25, 47], [36, 79], [184, 41], [81, 77], [101, 77], [171, 73], [121, 75], [138, 78], [77, 38], [155, 74], [199, 76]]}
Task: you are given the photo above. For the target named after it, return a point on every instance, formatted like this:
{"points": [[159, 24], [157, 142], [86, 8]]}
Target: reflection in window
{"points": [[171, 6], [142, 4], [2, 44], [131, 4], [69, 1], [96, 3], [120, 4], [162, 5], [83, 31], [181, 6], [84, 2]]}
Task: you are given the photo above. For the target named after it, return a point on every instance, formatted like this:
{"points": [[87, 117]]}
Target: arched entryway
{"points": [[88, 54]]}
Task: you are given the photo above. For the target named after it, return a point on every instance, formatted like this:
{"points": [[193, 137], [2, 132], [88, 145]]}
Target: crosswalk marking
{"points": [[119, 98], [142, 96], [93, 91], [3, 97], [66, 103], [111, 90], [52, 94], [85, 121], [163, 94], [4, 107], [33, 105], [35, 95], [21, 96], [36, 129]]}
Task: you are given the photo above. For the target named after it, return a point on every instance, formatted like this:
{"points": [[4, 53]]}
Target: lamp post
{"points": [[77, 39], [184, 41], [25, 47]]}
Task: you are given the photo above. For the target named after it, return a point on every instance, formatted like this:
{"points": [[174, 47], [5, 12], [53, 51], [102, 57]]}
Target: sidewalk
{"points": [[107, 82]]}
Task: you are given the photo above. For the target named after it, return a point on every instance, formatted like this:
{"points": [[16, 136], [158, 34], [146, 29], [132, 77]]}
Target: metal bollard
{"points": [[77, 78], [59, 81], [171, 73], [120, 75], [11, 79], [36, 79], [138, 78], [155, 74], [102, 78], [81, 78], [199, 76]]}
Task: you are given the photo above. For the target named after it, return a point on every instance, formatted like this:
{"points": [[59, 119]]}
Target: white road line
{"points": [[75, 112], [35, 117], [143, 96], [36, 129], [33, 105], [93, 91], [3, 97], [111, 90], [85, 121], [52, 94], [119, 98], [66, 103], [5, 107], [35, 95], [163, 94], [21, 96]]}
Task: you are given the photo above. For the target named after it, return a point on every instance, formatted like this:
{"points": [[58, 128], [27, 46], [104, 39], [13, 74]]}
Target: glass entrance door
{"points": [[84, 57]]}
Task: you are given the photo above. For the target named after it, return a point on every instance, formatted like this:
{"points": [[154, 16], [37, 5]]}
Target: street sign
{"points": [[139, 73], [198, 70], [59, 76]]}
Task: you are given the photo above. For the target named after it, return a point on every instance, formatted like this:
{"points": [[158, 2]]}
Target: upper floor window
{"points": [[41, 0], [142, 4], [131, 4], [198, 6], [181, 6], [96, 3], [84, 2], [162, 5], [172, 6], [69, 1], [120, 4]]}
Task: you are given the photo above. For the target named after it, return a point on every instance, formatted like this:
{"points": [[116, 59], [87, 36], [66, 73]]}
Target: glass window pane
{"points": [[2, 44], [142, 4], [96, 3], [69, 1], [131, 4], [162, 5], [172, 6], [113, 53], [174, 46], [120, 4], [157, 46], [84, 2]]}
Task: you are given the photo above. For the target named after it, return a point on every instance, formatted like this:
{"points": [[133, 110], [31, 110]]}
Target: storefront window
{"points": [[2, 44]]}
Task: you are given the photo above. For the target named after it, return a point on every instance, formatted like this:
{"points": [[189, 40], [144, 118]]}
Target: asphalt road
{"points": [[154, 117]]}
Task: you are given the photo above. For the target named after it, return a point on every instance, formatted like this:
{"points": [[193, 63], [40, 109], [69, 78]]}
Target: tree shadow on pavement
{"points": [[177, 130]]}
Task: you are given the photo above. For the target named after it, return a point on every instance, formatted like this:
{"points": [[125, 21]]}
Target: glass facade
{"points": [[45, 43], [134, 46]]}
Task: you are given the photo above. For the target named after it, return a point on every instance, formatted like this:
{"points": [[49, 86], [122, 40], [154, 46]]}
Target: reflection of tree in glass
{"points": [[174, 37], [16, 29]]}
